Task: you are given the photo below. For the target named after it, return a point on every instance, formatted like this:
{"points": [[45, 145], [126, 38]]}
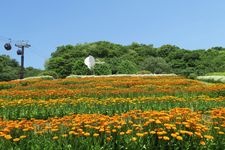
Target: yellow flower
{"points": [[23, 136], [221, 132], [101, 130], [54, 130], [16, 139], [202, 142], [71, 132], [122, 133], [152, 132], [8, 137], [174, 135], [108, 131], [198, 134], [55, 137], [95, 134], [217, 128], [166, 138], [26, 129], [108, 139], [161, 133], [128, 131], [189, 133], [140, 134], [179, 138], [87, 134], [182, 131], [64, 135], [158, 121], [133, 139], [209, 137]]}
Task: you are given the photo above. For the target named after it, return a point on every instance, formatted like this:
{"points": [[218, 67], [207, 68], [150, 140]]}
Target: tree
{"points": [[165, 50], [49, 73], [60, 65], [31, 72], [79, 68], [156, 65], [9, 68], [102, 69], [126, 67]]}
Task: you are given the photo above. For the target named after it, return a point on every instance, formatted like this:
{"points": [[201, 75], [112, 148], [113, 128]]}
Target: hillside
{"points": [[122, 59], [135, 58]]}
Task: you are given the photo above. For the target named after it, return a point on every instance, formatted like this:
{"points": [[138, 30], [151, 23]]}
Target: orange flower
{"points": [[158, 121]]}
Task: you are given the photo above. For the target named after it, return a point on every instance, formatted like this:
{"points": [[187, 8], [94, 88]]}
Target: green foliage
{"points": [[49, 73], [9, 68], [102, 69], [144, 72], [61, 65], [32, 72], [216, 74], [156, 65], [79, 68], [127, 67], [167, 59]]}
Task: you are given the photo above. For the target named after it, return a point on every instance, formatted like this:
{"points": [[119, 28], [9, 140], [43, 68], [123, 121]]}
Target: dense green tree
{"points": [[9, 68], [31, 72], [102, 69], [165, 50], [49, 73], [156, 65], [79, 68], [136, 57], [127, 67], [61, 65]]}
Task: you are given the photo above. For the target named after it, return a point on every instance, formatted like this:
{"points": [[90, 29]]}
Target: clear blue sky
{"points": [[189, 24]]}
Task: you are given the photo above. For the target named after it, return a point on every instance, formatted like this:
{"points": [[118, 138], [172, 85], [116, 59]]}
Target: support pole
{"points": [[22, 45], [22, 64]]}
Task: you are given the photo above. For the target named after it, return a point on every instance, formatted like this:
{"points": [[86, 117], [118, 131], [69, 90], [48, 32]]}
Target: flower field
{"points": [[158, 112]]}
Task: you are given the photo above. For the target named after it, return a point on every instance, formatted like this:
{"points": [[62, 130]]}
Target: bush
{"points": [[127, 67], [79, 68], [144, 72], [46, 77], [49, 73], [192, 76], [102, 69]]}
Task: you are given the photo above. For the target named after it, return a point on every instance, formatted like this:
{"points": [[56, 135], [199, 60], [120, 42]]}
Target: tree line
{"points": [[124, 59]]}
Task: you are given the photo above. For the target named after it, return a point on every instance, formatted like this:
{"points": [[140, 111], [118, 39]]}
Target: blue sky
{"points": [[47, 24]]}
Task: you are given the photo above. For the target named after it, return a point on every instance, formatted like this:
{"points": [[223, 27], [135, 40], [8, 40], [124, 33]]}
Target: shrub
{"points": [[49, 73], [102, 69]]}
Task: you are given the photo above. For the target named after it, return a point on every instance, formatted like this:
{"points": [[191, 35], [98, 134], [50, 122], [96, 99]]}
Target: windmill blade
{"points": [[89, 61]]}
